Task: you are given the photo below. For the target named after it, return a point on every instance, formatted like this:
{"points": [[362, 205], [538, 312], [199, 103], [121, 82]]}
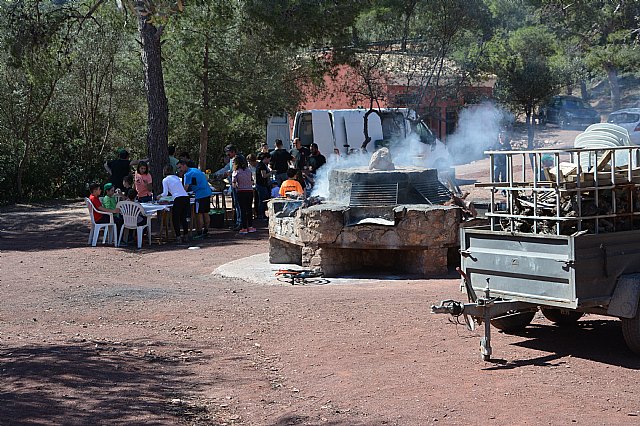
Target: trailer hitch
{"points": [[482, 310], [450, 307]]}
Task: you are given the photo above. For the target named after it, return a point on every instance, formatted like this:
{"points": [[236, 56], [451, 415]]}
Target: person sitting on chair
{"points": [[94, 197], [109, 202]]}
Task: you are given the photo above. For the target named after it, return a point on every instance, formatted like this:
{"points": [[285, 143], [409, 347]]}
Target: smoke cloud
{"points": [[477, 131]]}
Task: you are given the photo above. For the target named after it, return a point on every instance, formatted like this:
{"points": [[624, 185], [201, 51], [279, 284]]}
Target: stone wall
{"points": [[415, 241]]}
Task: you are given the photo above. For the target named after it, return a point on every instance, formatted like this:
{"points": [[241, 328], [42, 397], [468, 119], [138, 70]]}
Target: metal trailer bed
{"points": [[567, 272], [509, 275]]}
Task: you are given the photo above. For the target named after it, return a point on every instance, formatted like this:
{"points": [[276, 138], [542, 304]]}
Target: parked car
{"points": [[628, 118], [568, 111]]}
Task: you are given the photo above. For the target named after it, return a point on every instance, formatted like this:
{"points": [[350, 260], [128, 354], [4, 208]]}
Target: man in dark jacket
{"points": [[316, 160], [280, 158]]}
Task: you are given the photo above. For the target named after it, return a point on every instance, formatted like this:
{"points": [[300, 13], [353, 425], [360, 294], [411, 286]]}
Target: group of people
{"points": [[253, 179], [274, 173], [180, 177]]}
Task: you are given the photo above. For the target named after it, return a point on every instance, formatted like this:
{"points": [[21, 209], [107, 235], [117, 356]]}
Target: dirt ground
{"points": [[123, 336]]}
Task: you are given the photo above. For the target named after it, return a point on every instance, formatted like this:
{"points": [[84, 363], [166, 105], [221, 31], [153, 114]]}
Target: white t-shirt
{"points": [[172, 184]]}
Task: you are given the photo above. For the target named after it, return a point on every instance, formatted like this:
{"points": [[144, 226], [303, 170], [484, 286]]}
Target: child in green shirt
{"points": [[109, 200]]}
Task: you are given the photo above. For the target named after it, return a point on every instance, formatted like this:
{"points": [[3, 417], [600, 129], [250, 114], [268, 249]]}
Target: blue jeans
{"points": [[236, 206], [263, 195]]}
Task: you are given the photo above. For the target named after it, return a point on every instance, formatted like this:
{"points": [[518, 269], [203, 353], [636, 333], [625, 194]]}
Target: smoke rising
{"points": [[477, 131]]}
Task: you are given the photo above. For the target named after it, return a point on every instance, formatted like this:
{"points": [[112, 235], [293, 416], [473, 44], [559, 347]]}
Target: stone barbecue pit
{"points": [[373, 221]]}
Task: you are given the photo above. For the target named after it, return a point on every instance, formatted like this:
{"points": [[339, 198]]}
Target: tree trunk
{"points": [[204, 126], [405, 33], [158, 109], [367, 138], [612, 74], [530, 129], [530, 134], [23, 163], [24, 134], [584, 92]]}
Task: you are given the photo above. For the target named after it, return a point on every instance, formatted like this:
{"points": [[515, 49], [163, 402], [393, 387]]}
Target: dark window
{"points": [[405, 99], [452, 119], [392, 125], [573, 104], [425, 134], [305, 129]]}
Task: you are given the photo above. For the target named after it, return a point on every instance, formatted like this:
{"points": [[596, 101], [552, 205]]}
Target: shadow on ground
{"points": [[84, 384], [596, 340], [66, 225]]}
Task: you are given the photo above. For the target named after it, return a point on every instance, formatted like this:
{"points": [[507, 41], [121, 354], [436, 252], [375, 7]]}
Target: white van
{"points": [[278, 128], [343, 129]]}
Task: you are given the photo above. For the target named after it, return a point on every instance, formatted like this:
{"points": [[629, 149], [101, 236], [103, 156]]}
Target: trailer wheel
{"points": [[561, 316], [513, 321], [631, 332]]}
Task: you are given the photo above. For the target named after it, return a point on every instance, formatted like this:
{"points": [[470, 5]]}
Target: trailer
{"points": [[566, 241]]}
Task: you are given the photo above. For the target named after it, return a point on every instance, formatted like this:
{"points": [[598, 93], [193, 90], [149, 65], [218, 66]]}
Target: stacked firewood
{"points": [[617, 203], [572, 209]]}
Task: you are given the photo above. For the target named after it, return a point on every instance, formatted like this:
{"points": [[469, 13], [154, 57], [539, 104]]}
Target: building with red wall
{"points": [[345, 88]]}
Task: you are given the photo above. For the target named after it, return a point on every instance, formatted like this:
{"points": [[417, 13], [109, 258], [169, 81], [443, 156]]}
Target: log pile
{"points": [[592, 209]]}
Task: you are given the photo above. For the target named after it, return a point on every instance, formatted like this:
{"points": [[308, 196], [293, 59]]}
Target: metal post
{"points": [[509, 192], [493, 194], [558, 174], [613, 189], [579, 193], [485, 342], [597, 195], [536, 174]]}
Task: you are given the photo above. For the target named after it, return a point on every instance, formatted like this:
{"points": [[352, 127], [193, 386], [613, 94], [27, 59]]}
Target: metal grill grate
{"points": [[367, 195], [434, 192]]}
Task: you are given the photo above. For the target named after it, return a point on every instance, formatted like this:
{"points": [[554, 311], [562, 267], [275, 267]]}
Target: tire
{"points": [[513, 321], [631, 332], [560, 316]]}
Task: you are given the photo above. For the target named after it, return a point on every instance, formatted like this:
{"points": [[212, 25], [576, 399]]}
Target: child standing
{"points": [[275, 189], [127, 184], [242, 182], [291, 184], [143, 183]]}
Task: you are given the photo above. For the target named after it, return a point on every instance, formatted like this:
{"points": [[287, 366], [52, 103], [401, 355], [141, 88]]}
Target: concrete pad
{"points": [[257, 269]]}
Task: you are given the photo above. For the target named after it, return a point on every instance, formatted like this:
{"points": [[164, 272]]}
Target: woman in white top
{"points": [[172, 185]]}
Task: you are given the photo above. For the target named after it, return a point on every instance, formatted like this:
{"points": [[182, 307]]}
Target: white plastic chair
{"points": [[614, 129], [130, 211], [97, 227]]}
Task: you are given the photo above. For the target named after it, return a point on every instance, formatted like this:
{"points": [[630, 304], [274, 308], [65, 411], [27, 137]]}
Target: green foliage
{"points": [[219, 46], [306, 22], [522, 63], [72, 88]]}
